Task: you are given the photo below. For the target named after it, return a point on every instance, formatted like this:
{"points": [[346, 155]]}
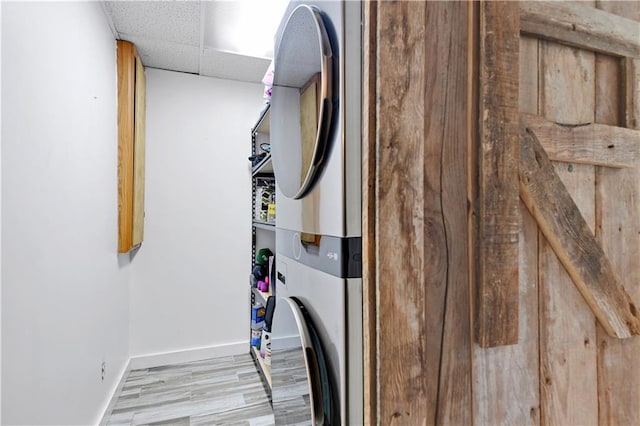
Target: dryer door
{"points": [[301, 102], [301, 389]]}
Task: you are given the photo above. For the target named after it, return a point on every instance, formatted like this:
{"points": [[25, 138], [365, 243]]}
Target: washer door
{"points": [[301, 102], [301, 389]]}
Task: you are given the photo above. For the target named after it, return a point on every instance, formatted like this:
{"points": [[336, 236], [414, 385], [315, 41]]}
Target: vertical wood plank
{"points": [[126, 78], [139, 153], [446, 133], [403, 265], [618, 193], [632, 92], [499, 222], [568, 390], [506, 378], [369, 215], [618, 230]]}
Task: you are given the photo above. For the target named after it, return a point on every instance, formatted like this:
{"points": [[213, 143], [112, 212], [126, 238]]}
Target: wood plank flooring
{"points": [[221, 391]]}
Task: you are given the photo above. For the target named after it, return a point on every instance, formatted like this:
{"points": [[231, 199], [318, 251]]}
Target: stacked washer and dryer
{"points": [[316, 346]]}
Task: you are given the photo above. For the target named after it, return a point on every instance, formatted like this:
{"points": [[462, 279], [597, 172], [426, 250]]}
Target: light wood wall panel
{"points": [[131, 136], [126, 99], [139, 154]]}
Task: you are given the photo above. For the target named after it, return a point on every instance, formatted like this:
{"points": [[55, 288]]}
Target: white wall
{"points": [[190, 277], [64, 290]]}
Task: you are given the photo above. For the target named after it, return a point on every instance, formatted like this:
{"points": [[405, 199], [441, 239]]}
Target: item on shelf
{"points": [[267, 80], [263, 286], [257, 325], [257, 314], [256, 337], [259, 272], [266, 147], [253, 280], [272, 269], [265, 195], [268, 314], [265, 347], [271, 207], [262, 257], [271, 212], [256, 159]]}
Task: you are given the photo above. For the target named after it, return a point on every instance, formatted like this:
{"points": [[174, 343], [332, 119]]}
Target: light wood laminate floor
{"points": [[222, 391]]}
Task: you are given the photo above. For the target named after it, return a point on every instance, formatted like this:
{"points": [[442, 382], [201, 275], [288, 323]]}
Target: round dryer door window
{"points": [[301, 387], [301, 102]]}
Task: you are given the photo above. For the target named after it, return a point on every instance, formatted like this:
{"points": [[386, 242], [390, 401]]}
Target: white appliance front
{"points": [[334, 307], [318, 249], [333, 204]]}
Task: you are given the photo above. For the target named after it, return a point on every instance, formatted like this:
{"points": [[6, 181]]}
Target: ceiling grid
{"points": [[230, 39]]}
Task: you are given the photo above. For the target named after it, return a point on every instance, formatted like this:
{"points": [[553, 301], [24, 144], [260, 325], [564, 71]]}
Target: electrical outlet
{"points": [[103, 370]]}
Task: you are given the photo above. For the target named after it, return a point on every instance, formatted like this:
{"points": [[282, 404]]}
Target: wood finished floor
{"points": [[222, 391]]}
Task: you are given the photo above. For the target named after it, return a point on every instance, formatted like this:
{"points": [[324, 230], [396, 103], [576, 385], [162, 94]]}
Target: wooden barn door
{"points": [[539, 354], [579, 70]]}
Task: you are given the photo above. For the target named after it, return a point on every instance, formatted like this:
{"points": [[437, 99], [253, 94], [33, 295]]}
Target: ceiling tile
{"points": [[177, 22], [233, 66], [166, 55]]}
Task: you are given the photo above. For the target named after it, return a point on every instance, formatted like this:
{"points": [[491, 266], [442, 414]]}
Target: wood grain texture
{"points": [[405, 263], [618, 231], [632, 92], [582, 26], [567, 73], [139, 154], [568, 382], [499, 221], [595, 144], [423, 296], [572, 240], [309, 111], [369, 213], [609, 90], [619, 223], [126, 90], [446, 134], [506, 378]]}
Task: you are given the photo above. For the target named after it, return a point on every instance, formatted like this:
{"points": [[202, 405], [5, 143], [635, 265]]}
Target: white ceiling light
{"points": [[248, 26]]}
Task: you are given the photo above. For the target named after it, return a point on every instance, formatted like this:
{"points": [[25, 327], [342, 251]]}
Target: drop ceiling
{"points": [[224, 39]]}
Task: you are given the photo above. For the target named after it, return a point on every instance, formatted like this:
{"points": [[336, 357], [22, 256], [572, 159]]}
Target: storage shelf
{"points": [[263, 369], [264, 225], [264, 167], [262, 126], [262, 176], [262, 296]]}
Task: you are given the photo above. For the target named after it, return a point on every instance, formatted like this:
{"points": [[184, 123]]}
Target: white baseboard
{"points": [[188, 355], [116, 393]]}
